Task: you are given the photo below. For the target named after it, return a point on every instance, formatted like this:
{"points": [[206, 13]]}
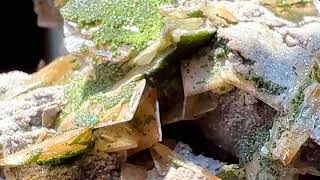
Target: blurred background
{"points": [[23, 42]]}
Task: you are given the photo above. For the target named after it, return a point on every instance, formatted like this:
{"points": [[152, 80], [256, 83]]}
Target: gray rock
{"points": [[237, 114]]}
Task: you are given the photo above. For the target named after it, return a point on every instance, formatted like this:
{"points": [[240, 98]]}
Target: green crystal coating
{"points": [[130, 22]]}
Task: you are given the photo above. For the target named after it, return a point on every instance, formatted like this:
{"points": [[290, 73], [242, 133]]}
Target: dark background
{"points": [[22, 42]]}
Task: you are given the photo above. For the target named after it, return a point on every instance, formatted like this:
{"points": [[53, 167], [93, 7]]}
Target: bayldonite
{"points": [[116, 22]]}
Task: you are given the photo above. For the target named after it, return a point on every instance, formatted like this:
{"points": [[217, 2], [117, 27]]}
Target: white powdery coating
{"points": [[281, 51], [12, 81], [77, 41], [315, 130], [153, 175], [274, 60], [309, 117], [20, 118], [253, 11], [73, 41], [183, 173], [307, 36], [206, 163]]}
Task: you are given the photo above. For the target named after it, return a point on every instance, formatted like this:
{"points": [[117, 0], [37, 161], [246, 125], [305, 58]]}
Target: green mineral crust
{"points": [[128, 22]]}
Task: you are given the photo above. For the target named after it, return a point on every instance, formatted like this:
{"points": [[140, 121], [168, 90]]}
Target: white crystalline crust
{"points": [[205, 162], [281, 51], [20, 118], [12, 81]]}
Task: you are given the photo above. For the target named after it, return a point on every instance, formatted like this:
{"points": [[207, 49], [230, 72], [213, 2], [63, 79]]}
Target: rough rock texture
{"points": [[21, 117], [61, 172], [101, 166], [90, 167], [237, 114]]}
